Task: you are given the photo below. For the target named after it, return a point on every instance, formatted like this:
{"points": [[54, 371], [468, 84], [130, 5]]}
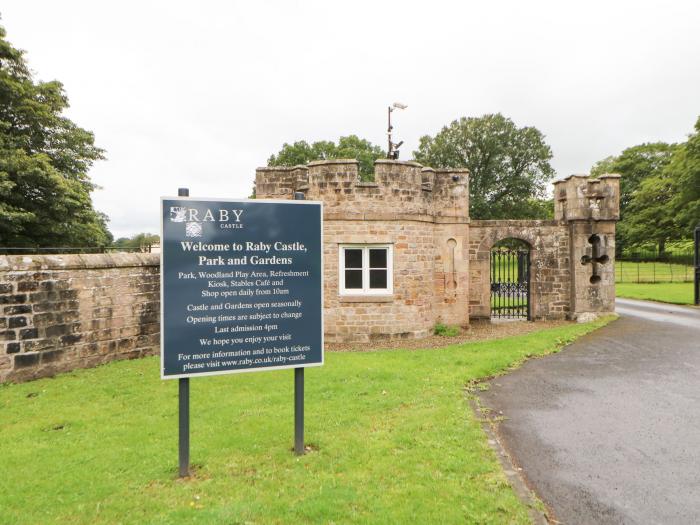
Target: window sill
{"points": [[366, 298]]}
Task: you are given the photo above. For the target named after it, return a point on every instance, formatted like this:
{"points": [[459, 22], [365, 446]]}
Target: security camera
{"points": [[455, 178]]}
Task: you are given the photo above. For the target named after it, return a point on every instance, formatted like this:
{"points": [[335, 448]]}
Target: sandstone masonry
{"points": [[440, 257], [64, 312]]}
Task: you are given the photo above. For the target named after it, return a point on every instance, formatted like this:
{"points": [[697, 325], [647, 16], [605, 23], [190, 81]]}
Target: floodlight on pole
{"points": [[393, 151]]}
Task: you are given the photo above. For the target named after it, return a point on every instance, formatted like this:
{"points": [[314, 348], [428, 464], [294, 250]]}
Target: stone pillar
{"points": [[590, 207], [450, 194]]}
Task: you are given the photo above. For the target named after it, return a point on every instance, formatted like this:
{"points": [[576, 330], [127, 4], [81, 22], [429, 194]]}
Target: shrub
{"points": [[446, 330]]}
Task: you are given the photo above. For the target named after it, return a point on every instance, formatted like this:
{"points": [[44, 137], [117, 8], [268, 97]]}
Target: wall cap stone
{"points": [[524, 223], [452, 170], [330, 162], [399, 162], [574, 176], [77, 261], [277, 168]]}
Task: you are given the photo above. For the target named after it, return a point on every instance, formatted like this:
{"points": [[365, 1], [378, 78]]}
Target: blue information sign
{"points": [[241, 286]]}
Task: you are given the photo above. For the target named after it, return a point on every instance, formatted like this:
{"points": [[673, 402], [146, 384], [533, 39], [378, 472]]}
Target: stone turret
{"points": [[590, 207], [418, 215], [580, 197]]}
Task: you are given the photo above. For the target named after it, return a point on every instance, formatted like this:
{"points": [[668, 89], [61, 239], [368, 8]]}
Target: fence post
{"points": [[696, 260]]}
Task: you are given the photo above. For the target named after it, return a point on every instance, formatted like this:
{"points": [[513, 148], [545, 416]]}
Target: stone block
{"points": [[8, 335], [26, 360], [17, 322], [29, 333]]}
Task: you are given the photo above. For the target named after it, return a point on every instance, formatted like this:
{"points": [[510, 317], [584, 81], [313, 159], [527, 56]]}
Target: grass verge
{"points": [[393, 439], [676, 293]]}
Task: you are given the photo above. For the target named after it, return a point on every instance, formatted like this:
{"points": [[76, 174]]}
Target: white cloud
{"points": [[200, 93]]}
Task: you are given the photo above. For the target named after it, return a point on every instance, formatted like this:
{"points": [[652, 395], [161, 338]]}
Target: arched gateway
{"points": [[510, 280]]}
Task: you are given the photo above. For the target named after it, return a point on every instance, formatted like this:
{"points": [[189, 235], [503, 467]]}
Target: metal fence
{"points": [[46, 250], [650, 267]]}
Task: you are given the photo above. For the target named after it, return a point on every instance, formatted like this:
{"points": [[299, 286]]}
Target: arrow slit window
{"points": [[365, 269]]}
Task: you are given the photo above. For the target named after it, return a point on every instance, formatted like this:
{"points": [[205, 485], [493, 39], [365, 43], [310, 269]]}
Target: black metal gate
{"points": [[510, 283]]}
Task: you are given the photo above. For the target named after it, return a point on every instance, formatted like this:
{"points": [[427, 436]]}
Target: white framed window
{"points": [[366, 269]]}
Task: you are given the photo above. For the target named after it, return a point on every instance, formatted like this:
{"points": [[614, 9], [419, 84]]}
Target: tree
{"points": [[685, 169], [636, 165], [44, 162], [137, 241], [509, 166], [350, 147], [649, 216]]}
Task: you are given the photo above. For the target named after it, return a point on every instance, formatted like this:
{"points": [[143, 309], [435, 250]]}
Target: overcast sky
{"points": [[199, 94]]}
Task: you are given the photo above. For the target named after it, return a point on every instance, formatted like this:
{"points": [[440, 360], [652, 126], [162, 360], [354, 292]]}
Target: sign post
{"points": [[241, 291], [183, 395], [299, 391], [697, 265]]}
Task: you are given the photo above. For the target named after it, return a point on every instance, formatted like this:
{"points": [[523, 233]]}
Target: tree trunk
{"points": [[662, 247]]}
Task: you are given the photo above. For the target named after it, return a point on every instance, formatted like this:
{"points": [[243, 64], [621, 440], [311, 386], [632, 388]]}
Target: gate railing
{"points": [[510, 283]]}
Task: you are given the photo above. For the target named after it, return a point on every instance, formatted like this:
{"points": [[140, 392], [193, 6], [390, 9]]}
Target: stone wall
{"points": [[441, 258], [62, 312]]}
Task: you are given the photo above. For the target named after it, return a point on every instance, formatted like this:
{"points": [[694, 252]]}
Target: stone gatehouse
{"points": [[401, 253]]}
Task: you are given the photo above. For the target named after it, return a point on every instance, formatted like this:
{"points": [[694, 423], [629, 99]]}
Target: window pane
{"points": [[353, 258], [353, 279], [377, 279], [377, 258]]}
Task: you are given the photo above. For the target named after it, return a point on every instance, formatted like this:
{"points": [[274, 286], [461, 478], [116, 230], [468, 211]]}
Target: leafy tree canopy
{"points": [[137, 241], [509, 166], [44, 162], [648, 217], [659, 192], [685, 167], [350, 147], [635, 164]]}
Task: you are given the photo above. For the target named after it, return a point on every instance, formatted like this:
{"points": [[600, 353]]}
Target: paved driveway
{"points": [[608, 430]]}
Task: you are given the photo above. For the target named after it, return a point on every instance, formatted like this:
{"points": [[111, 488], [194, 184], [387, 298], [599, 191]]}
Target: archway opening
{"points": [[510, 280]]}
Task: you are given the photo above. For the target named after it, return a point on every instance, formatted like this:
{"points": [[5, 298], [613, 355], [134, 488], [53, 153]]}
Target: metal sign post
{"points": [[697, 265], [299, 391], [183, 392]]}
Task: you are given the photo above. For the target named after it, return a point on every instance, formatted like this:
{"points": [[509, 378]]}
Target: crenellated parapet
{"points": [[399, 188], [584, 198], [279, 182]]}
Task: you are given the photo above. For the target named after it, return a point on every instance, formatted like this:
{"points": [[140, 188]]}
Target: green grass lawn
{"points": [[677, 293], [395, 442]]}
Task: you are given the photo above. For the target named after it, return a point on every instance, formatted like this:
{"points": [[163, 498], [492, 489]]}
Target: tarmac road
{"points": [[608, 430]]}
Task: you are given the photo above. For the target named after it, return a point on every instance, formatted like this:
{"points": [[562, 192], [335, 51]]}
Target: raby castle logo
{"points": [[195, 219]]}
